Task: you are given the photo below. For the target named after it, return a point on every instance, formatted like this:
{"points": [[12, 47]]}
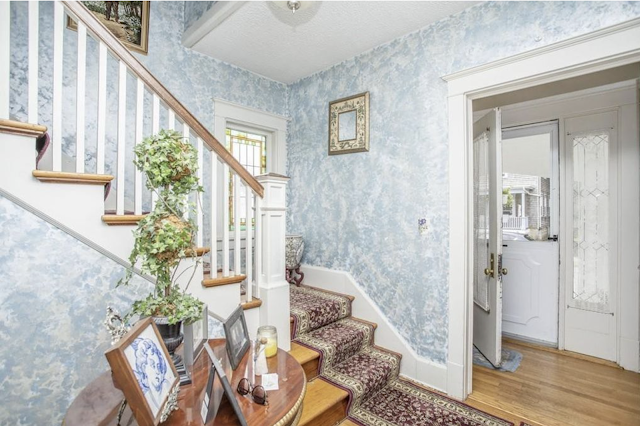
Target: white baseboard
{"points": [[630, 354], [413, 365]]}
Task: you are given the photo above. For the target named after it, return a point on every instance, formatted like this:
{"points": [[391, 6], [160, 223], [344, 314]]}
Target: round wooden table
{"points": [[98, 403]]}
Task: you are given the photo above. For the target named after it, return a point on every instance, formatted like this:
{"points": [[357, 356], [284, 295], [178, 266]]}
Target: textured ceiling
{"points": [[269, 40]]}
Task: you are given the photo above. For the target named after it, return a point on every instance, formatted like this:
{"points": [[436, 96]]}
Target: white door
{"points": [[487, 206], [530, 183], [591, 234]]}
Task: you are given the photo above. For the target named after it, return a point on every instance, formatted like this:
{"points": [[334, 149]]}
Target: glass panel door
{"points": [[481, 219]]}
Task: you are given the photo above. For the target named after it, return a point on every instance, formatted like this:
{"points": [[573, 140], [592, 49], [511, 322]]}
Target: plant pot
{"points": [[171, 336]]}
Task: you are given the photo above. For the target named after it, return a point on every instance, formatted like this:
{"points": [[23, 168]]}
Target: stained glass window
{"points": [[250, 149]]}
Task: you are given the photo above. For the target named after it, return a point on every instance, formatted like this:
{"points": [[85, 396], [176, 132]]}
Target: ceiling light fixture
{"points": [[293, 6]]}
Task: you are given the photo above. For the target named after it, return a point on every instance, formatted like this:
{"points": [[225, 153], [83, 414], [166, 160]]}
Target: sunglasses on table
{"points": [[258, 394]]}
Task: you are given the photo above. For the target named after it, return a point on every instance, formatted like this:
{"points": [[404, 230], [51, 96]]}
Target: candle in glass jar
{"points": [[269, 333]]}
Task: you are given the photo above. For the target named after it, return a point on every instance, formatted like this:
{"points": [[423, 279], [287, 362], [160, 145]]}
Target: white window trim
{"points": [[596, 51], [240, 117], [228, 114]]}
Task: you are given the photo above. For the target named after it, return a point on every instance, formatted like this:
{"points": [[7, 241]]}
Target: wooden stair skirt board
{"points": [[20, 128], [122, 219], [67, 177], [253, 303], [220, 280]]}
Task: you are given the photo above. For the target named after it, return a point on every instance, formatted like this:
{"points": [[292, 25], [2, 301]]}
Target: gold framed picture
{"points": [[127, 20], [349, 124]]}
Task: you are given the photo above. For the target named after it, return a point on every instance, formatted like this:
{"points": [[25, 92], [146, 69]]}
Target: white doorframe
{"points": [[600, 50]]}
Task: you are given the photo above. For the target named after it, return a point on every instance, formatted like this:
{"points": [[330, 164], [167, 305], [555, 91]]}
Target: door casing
{"points": [[596, 51]]}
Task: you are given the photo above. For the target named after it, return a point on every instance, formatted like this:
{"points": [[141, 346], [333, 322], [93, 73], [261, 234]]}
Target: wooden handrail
{"points": [[122, 53]]}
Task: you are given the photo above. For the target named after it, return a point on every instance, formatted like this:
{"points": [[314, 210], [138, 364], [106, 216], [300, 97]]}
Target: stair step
{"points": [[21, 128], [307, 358], [122, 219], [220, 280], [348, 296], [324, 404], [254, 303], [373, 324], [200, 251], [67, 177]]}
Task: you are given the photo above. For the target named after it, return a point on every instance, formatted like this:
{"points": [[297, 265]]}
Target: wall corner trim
{"points": [[413, 365]]}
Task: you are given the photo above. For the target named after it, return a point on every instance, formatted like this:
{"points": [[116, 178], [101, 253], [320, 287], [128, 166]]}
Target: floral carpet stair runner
{"points": [[349, 359]]}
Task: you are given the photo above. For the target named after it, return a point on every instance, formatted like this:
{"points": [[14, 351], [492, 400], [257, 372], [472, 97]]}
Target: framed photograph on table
{"points": [[142, 369], [217, 386], [195, 337], [237, 336]]}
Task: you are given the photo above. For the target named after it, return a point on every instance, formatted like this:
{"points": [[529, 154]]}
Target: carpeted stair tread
{"points": [[403, 402], [364, 373], [312, 308], [338, 341]]}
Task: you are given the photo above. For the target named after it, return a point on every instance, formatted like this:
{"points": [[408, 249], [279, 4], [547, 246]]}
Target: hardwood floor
{"points": [[550, 388]]}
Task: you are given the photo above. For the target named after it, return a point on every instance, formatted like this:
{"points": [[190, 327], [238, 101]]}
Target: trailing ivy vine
{"points": [[165, 236]]}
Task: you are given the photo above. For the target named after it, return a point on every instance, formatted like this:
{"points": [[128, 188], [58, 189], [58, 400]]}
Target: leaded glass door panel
{"points": [[590, 200]]}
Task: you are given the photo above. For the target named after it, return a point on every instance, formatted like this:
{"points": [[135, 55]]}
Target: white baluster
{"points": [[248, 242], [80, 95], [56, 140], [5, 57], [237, 238], [214, 214], [172, 119], [137, 207], [258, 246], [34, 9], [155, 128], [122, 114], [186, 135], [155, 123], [102, 107], [199, 218], [225, 220]]}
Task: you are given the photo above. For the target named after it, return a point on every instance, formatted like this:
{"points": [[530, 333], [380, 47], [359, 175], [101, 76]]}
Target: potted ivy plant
{"points": [[165, 236]]}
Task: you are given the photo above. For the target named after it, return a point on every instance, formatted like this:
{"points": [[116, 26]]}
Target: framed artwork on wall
{"points": [[127, 20], [349, 124], [143, 370]]}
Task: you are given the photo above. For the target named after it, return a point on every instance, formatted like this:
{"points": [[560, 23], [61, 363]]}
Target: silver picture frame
{"points": [[195, 337]]}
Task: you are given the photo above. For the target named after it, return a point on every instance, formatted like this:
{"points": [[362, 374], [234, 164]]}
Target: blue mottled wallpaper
{"points": [[193, 10], [54, 291], [359, 212]]}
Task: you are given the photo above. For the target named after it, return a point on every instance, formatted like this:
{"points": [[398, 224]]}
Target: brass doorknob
{"points": [[488, 271], [505, 271]]}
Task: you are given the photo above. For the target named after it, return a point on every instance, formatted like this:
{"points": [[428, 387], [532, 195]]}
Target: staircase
{"points": [[354, 382], [325, 403], [81, 186]]}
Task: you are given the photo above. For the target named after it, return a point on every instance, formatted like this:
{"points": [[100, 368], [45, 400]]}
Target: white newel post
{"points": [[274, 289]]}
